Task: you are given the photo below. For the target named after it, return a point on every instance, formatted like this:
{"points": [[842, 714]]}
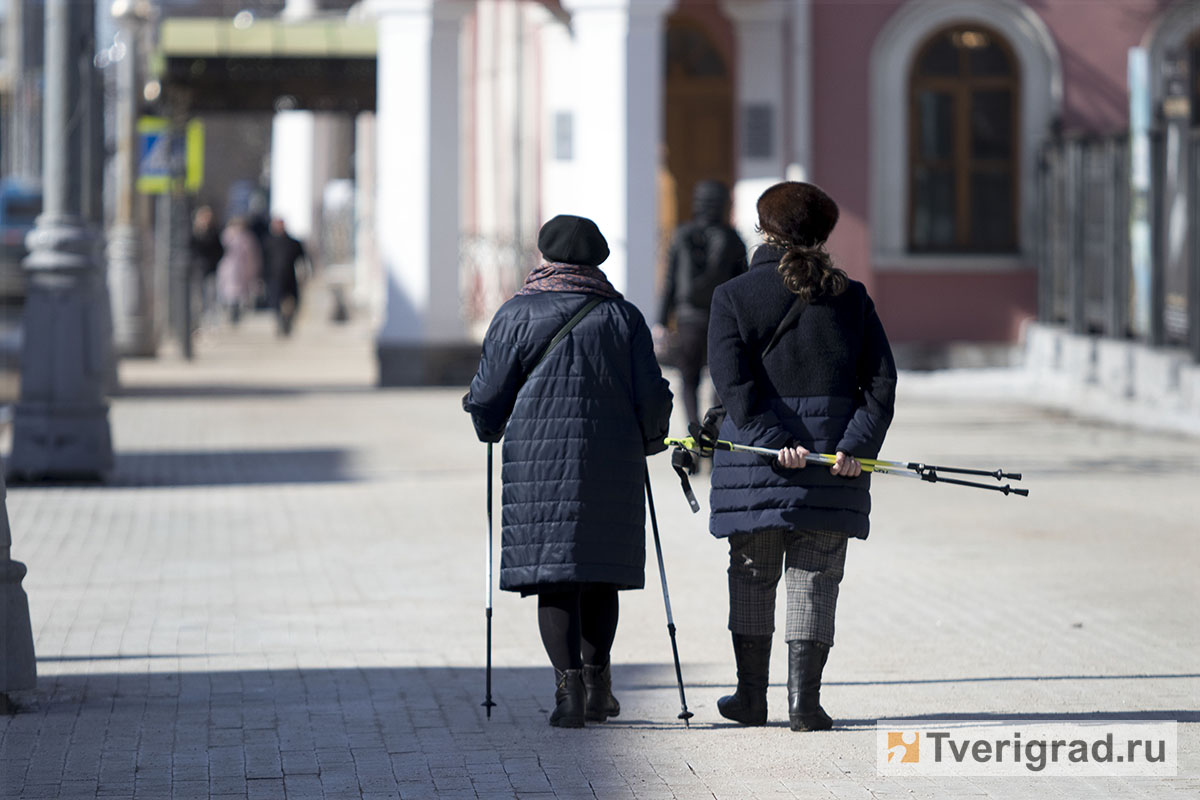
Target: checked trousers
{"points": [[812, 563]]}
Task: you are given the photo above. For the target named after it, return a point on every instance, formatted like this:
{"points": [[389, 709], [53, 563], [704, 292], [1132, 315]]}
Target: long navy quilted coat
{"points": [[576, 436], [829, 384]]}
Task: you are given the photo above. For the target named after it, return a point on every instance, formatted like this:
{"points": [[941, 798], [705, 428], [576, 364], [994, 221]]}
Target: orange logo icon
{"points": [[904, 747]]}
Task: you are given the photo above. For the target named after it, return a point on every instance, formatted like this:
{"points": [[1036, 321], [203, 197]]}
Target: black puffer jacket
{"points": [[576, 435], [829, 384]]}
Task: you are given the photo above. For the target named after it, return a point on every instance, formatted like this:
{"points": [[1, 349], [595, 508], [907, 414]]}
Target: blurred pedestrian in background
{"points": [[577, 428], [206, 251], [827, 385], [240, 269], [258, 221], [281, 253], [704, 253]]}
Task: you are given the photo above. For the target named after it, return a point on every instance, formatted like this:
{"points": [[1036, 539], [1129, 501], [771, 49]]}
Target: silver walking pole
{"points": [[487, 703], [684, 715]]}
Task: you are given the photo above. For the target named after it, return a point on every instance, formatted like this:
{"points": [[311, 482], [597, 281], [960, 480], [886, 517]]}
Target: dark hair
{"points": [[799, 217]]}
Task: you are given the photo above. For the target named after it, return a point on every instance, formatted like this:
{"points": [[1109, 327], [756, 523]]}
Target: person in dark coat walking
{"points": [[577, 427], [206, 251], [704, 253], [281, 252], [828, 385]]}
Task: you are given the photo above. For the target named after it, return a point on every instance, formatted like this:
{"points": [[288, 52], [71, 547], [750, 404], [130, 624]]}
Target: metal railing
{"points": [[1084, 246], [491, 269]]}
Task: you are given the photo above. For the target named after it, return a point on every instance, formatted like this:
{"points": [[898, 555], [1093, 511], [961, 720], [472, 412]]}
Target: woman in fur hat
{"points": [[827, 385]]}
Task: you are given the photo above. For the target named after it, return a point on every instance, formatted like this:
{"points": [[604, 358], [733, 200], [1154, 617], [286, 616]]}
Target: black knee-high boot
{"points": [[806, 660], [748, 705]]}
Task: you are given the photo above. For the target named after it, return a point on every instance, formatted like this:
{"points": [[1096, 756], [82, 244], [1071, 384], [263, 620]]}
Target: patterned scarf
{"points": [[555, 277]]}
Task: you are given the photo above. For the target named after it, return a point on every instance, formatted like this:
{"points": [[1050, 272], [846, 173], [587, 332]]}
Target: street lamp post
{"points": [[60, 425], [133, 329]]}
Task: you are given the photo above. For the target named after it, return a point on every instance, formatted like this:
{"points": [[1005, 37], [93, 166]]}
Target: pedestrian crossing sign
{"points": [[161, 155]]}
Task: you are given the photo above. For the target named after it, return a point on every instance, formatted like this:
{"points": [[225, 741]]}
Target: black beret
{"points": [[568, 239]]}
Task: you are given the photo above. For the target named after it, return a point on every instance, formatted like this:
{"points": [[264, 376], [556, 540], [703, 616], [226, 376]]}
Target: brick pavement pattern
{"points": [[279, 594]]}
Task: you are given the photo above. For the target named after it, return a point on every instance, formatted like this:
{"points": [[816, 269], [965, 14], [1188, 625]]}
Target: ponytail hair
{"points": [[809, 271], [799, 217]]}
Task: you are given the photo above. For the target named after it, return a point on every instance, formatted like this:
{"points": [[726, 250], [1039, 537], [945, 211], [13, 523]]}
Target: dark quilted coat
{"points": [[576, 436], [829, 384]]}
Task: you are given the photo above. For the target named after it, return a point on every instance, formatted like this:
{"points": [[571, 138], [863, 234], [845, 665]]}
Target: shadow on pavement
{"points": [[216, 468], [998, 679], [297, 697], [1015, 678], [85, 659], [233, 391], [1059, 716], [412, 731], [521, 694], [1122, 465]]}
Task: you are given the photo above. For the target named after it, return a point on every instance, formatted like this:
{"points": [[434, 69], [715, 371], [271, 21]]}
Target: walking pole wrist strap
{"points": [[683, 463]]}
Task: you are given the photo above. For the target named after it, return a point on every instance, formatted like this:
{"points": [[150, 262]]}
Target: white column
{"points": [[761, 161], [618, 127], [417, 121], [800, 167], [368, 280], [293, 191], [293, 153], [560, 117], [299, 9]]}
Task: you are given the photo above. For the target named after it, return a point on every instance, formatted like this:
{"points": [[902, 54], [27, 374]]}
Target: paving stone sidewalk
{"points": [[279, 594]]}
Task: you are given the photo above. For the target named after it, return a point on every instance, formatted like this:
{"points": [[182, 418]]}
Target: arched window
{"points": [[964, 134]]}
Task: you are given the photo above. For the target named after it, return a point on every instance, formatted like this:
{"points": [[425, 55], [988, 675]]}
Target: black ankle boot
{"points": [[806, 660], [600, 703], [569, 699], [748, 705]]}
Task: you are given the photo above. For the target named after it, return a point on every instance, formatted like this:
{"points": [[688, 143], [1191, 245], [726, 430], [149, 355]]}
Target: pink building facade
{"points": [[1082, 77], [924, 119]]}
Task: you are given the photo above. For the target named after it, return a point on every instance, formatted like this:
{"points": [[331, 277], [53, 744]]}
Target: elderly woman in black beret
{"points": [[578, 422], [827, 385]]}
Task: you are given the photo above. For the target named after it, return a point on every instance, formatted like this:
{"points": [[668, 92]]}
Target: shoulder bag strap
{"points": [[793, 313], [565, 329]]}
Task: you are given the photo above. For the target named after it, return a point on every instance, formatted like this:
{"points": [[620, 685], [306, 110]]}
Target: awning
{"points": [[268, 65]]}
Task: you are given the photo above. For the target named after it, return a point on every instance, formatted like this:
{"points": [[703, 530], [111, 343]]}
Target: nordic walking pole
{"points": [[684, 714], [904, 469], [487, 703]]}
